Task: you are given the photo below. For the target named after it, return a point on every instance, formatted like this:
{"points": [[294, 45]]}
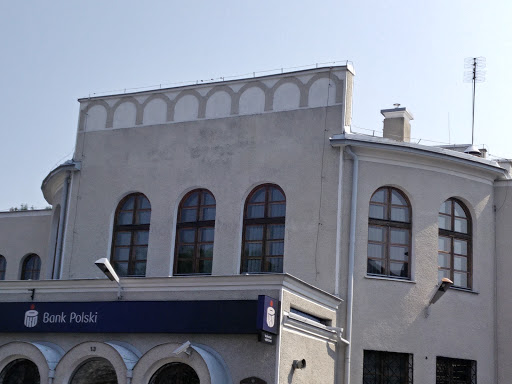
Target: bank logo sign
{"points": [[268, 314], [271, 315], [31, 317]]}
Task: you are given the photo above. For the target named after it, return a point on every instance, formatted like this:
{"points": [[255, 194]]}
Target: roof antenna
{"points": [[474, 74]]}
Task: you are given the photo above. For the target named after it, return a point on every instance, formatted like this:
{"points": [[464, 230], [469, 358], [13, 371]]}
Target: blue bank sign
{"points": [[215, 316]]}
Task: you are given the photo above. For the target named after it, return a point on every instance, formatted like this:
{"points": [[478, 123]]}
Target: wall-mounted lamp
{"points": [[107, 269], [440, 291], [185, 347]]}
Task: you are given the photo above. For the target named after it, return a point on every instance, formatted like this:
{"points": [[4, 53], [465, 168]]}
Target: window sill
{"points": [[465, 290], [372, 277]]}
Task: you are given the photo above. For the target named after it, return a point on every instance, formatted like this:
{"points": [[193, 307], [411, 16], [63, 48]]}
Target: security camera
{"points": [[107, 269], [443, 287], [185, 347], [299, 364]]}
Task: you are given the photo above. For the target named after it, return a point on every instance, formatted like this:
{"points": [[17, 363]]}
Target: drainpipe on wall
{"points": [[351, 256], [339, 227], [51, 376], [62, 224]]}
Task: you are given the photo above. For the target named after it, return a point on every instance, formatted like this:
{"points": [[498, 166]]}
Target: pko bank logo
{"points": [[271, 315], [31, 317]]}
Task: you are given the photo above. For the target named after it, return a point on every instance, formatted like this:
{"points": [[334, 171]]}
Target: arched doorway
{"points": [[20, 371], [175, 373], [95, 371]]}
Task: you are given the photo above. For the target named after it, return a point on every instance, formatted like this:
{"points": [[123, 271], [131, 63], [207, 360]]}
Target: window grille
{"points": [[387, 368], [455, 371]]}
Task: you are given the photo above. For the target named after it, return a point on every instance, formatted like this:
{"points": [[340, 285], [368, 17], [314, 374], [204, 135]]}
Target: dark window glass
{"points": [[455, 371], [263, 232], [20, 371], [175, 373], [3, 266], [389, 234], [387, 367], [95, 371], [31, 267], [195, 232], [131, 235], [455, 245]]}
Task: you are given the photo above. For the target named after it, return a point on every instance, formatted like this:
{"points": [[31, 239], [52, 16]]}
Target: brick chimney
{"points": [[397, 124]]}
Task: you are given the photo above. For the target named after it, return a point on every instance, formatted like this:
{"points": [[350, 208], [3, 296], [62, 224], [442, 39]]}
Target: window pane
{"points": [[443, 260], [443, 273], [460, 247], [255, 211], [276, 195], [275, 231], [144, 203], [188, 215], [254, 232], [275, 264], [399, 269], [375, 266], [460, 263], [192, 200], [187, 235], [121, 269], [460, 279], [379, 196], [185, 266], [458, 210], [122, 254], [140, 269], [141, 253], [446, 207], [208, 213], [461, 225], [123, 238], [128, 204], [258, 196], [205, 266], [253, 249], [206, 234], [253, 265], [206, 250], [208, 199], [376, 211], [400, 214], [141, 237], [444, 244], [376, 233], [399, 236], [397, 199], [277, 210], [275, 248], [399, 253], [124, 218], [143, 217], [375, 250], [445, 222], [186, 252]]}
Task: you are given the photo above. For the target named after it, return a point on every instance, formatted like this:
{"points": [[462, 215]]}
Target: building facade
{"points": [[257, 240]]}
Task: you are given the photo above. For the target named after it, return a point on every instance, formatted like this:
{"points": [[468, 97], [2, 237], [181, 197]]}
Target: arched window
{"points": [[131, 235], [20, 371], [263, 232], [3, 266], [454, 257], [95, 371], [176, 373], [195, 231], [31, 267], [389, 234]]}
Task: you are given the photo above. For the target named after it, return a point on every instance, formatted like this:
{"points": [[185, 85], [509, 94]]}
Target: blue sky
{"points": [[408, 52]]}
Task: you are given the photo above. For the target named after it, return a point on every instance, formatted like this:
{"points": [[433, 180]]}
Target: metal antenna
{"points": [[474, 74]]}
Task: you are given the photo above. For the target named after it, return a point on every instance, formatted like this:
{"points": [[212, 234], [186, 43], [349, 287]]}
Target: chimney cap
{"points": [[473, 150], [397, 112]]}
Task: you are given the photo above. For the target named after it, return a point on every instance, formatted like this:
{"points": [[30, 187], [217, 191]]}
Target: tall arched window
{"points": [[195, 231], [3, 266], [20, 371], [454, 257], [95, 371], [176, 373], [263, 232], [31, 267], [389, 234], [131, 235]]}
